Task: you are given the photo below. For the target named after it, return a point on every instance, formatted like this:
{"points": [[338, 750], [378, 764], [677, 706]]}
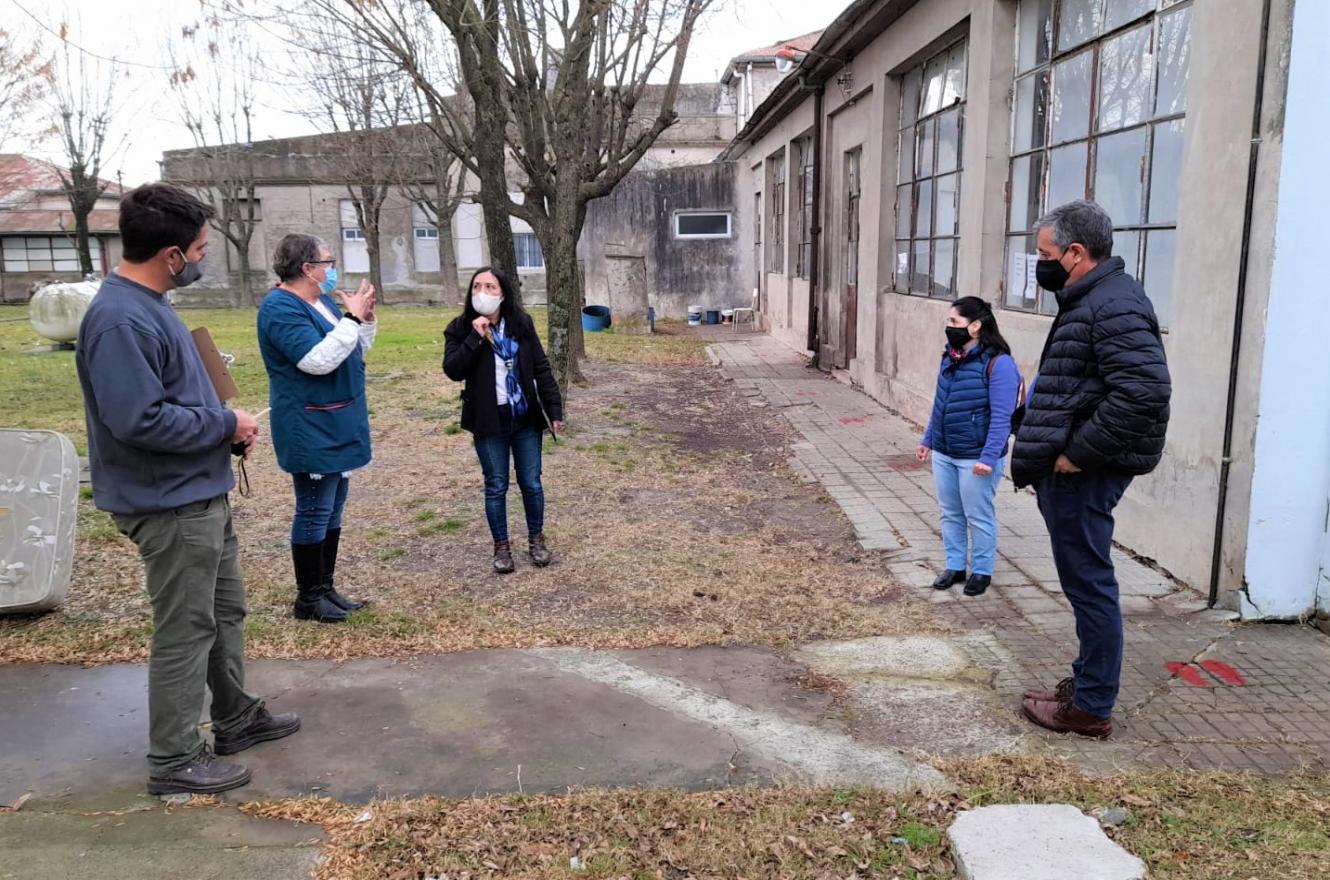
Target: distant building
{"points": [[37, 228]]}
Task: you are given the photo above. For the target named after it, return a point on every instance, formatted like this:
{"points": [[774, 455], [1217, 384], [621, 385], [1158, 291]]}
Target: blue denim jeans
{"points": [[969, 520], [1078, 510], [318, 506], [523, 446]]}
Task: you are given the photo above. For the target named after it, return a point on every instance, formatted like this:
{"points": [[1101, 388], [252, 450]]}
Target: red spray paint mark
{"points": [[1225, 673], [806, 393], [1188, 673], [857, 420]]}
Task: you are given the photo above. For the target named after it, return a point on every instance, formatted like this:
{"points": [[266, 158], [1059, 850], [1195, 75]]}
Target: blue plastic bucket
{"points": [[713, 316], [595, 318]]}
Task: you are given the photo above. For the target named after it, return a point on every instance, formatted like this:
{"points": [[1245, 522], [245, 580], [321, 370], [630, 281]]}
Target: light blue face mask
{"points": [[329, 282]]}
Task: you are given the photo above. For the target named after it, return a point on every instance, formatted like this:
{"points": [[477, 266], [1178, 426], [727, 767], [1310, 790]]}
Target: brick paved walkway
{"points": [[1197, 690]]}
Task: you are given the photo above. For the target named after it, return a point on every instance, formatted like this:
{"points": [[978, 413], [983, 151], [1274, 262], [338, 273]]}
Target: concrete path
{"points": [[1197, 691]]}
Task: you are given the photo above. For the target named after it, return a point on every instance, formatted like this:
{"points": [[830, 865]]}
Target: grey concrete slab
{"points": [[1037, 842]]}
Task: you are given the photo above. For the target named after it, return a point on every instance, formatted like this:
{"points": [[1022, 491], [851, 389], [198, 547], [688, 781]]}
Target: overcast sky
{"points": [[137, 32]]}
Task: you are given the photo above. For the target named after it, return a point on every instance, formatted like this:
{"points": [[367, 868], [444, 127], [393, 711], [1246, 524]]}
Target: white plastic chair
{"points": [[751, 312]]}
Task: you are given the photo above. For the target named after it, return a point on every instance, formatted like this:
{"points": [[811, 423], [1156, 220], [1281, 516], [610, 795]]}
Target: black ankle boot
{"points": [[311, 602], [977, 584], [329, 567]]}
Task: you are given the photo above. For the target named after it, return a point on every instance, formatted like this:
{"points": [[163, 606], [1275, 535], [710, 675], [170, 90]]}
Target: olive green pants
{"points": [[192, 569]]}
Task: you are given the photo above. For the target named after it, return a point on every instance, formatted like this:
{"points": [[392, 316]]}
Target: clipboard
{"points": [[216, 367]]}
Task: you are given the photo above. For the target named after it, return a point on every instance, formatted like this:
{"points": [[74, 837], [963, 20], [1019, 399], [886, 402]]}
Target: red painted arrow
{"points": [[1222, 671], [1188, 673]]}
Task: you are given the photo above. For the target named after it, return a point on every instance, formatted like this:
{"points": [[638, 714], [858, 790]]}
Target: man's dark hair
{"points": [[1080, 221], [158, 215], [293, 252]]}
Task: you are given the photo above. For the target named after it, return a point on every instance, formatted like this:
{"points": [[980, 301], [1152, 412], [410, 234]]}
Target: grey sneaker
{"points": [[203, 775], [263, 728]]}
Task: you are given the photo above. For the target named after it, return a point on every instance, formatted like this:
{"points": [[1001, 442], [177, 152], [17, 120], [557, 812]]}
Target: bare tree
{"points": [[365, 103], [408, 36], [436, 181], [84, 102], [564, 84], [26, 77], [214, 75]]}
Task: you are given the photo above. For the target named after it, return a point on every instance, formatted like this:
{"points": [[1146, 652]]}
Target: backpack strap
{"points": [[988, 374]]}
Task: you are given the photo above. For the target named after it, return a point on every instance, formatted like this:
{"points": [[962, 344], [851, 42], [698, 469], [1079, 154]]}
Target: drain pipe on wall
{"points": [[1239, 308], [816, 231]]}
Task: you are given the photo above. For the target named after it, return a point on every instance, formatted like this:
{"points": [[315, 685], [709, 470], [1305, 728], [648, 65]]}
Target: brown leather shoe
{"points": [[540, 554], [1066, 718], [1063, 692], [503, 558]]}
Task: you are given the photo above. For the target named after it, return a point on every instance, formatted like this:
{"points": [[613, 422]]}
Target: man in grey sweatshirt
{"points": [[159, 445]]}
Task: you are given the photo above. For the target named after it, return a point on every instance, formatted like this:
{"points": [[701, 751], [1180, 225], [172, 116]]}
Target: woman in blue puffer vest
{"points": [[978, 389], [315, 357]]}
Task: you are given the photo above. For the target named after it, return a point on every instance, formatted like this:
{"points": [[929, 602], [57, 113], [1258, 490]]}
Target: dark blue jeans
{"points": [[523, 447], [318, 506], [1078, 509]]}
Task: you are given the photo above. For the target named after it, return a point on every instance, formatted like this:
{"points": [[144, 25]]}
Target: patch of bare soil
{"points": [[672, 513]]}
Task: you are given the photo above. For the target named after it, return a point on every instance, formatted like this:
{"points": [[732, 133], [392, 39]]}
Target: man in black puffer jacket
{"points": [[1096, 418]]}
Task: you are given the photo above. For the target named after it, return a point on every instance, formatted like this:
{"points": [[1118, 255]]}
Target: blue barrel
{"points": [[713, 316], [595, 318]]}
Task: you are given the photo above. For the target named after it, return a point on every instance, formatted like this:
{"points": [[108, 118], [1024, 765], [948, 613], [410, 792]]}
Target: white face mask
{"points": [[486, 303]]}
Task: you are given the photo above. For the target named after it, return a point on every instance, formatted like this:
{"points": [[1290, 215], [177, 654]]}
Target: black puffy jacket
{"points": [[1101, 396]]}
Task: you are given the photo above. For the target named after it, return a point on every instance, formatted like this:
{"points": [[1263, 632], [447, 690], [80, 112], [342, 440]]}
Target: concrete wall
{"points": [[637, 222], [1287, 545], [1169, 516]]}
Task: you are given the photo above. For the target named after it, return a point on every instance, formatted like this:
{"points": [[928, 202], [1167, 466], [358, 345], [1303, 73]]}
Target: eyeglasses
{"points": [[332, 263]]}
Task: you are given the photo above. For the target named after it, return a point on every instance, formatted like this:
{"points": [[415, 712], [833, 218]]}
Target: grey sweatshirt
{"points": [[158, 437]]}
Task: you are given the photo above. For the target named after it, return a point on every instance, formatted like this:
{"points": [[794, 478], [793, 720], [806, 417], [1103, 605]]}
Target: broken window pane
{"points": [[1122, 11], [1078, 21], [953, 89], [1119, 175], [1165, 169], [923, 218], [1158, 276], [1071, 98], [948, 141], [1066, 174], [1031, 113], [1027, 177], [1035, 34], [1125, 65], [948, 190], [1174, 61], [934, 76]]}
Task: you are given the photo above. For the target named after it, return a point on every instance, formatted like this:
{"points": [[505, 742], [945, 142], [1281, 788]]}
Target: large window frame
{"points": [[931, 140], [39, 253], [1100, 89], [775, 260], [802, 200]]}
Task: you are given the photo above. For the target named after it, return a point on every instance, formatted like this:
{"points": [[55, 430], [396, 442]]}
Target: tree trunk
{"points": [[83, 240], [375, 263], [451, 287], [564, 290], [245, 294]]}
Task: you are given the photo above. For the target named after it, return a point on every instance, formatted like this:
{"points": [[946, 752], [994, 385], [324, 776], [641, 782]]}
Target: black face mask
{"points": [[1051, 274], [958, 337]]}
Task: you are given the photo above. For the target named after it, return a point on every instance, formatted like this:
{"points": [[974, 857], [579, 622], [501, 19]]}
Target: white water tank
{"points": [[56, 309]]}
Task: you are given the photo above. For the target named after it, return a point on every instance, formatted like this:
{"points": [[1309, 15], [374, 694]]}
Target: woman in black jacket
{"points": [[509, 398]]}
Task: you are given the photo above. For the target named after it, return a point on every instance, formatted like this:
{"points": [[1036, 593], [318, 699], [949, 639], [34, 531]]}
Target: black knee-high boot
{"points": [[311, 603], [329, 568]]}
